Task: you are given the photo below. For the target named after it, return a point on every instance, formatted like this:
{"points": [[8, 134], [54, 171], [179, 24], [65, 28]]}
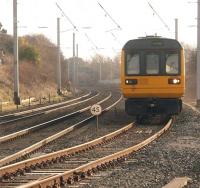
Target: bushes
{"points": [[29, 53]]}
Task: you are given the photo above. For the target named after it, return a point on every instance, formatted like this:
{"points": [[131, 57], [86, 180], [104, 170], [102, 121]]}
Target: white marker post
{"points": [[96, 110]]}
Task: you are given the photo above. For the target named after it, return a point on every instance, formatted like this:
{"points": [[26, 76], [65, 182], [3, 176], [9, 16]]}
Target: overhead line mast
{"points": [[75, 28], [16, 58]]}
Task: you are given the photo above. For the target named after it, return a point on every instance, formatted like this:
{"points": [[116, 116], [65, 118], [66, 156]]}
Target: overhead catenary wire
{"points": [[69, 20], [107, 14], [160, 18], [90, 40], [115, 38]]}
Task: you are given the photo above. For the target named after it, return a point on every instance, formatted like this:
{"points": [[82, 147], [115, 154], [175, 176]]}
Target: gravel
{"points": [[175, 154]]}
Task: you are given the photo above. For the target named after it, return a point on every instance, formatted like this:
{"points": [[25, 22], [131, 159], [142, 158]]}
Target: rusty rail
{"points": [[62, 178], [48, 111], [13, 168], [28, 130], [44, 107], [43, 142]]}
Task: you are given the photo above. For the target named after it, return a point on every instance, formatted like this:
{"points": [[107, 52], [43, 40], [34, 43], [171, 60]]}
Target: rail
{"points": [[62, 178], [43, 142]]}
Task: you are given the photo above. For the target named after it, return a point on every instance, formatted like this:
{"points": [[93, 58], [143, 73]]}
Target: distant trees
{"points": [[2, 30], [88, 72], [190, 65], [109, 67]]}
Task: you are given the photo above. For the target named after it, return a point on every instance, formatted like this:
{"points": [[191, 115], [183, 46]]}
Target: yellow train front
{"points": [[152, 76]]}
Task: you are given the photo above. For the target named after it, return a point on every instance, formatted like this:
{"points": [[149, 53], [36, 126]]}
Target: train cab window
{"points": [[152, 64], [133, 64], [172, 65]]}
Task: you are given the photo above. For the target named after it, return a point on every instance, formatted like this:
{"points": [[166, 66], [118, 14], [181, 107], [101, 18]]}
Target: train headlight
{"points": [[131, 81], [174, 81]]}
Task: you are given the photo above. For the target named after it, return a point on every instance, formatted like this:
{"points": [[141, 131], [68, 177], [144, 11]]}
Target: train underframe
{"points": [[143, 108]]}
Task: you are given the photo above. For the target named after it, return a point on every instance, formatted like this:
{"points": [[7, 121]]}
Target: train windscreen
{"points": [[152, 63]]}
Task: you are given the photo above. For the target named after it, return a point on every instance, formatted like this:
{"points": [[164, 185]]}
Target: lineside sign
{"points": [[96, 109]]}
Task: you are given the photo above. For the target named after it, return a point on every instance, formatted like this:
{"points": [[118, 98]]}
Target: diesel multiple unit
{"points": [[152, 76]]}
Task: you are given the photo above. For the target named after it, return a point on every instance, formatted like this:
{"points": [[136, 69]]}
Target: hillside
{"points": [[38, 76], [37, 68]]}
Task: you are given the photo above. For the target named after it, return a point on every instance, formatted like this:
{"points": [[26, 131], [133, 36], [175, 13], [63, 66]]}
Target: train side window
{"points": [[172, 64], [152, 63], [133, 64]]}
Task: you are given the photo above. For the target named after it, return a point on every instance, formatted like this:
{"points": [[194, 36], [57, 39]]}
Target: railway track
{"points": [[10, 118], [192, 107], [69, 165], [48, 115], [50, 122], [25, 151]]}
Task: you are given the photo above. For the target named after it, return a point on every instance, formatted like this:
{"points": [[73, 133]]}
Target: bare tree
{"points": [[2, 30]]}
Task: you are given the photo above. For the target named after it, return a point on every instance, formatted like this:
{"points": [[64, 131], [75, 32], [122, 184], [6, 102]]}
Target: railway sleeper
{"points": [[111, 163], [38, 165], [70, 180], [83, 175], [62, 182], [61, 160], [94, 170], [103, 166], [76, 178], [55, 185], [89, 173], [99, 167], [6, 176], [44, 164], [27, 169], [20, 172], [33, 167]]}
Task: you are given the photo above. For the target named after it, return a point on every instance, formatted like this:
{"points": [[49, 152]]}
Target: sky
{"points": [[97, 32]]}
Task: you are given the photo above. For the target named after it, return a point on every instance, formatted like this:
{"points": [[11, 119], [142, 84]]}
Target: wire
{"points": [[107, 14], [69, 20], [115, 38], [90, 40], [158, 15]]}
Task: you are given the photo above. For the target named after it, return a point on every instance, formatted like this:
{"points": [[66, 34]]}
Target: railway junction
{"points": [[72, 152], [132, 120]]}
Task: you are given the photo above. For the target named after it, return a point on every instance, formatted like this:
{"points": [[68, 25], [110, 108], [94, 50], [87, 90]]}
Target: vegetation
{"points": [[28, 52], [38, 78], [2, 30], [88, 72], [191, 64], [34, 80]]}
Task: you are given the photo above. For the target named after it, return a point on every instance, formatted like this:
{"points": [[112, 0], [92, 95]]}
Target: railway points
{"points": [[145, 89], [137, 159]]}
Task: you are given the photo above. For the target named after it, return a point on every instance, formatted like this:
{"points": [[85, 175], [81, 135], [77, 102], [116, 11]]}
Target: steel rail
{"points": [[43, 142], [192, 107], [39, 126], [39, 109], [45, 107], [62, 178], [24, 165], [63, 107]]}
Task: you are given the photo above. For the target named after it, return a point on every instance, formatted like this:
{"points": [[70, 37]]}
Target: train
{"points": [[152, 76]]}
